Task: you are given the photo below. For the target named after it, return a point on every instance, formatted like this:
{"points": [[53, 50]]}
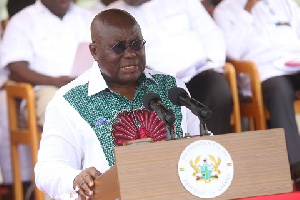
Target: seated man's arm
{"points": [[20, 71]]}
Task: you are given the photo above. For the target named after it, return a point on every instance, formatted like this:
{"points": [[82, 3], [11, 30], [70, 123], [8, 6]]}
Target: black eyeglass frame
{"points": [[125, 46]]}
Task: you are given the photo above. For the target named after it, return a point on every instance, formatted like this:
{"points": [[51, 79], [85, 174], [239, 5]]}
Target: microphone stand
{"points": [[169, 119], [203, 128], [170, 135]]}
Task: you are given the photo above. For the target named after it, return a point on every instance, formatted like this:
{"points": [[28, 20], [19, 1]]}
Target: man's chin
{"points": [[132, 76], [129, 79]]}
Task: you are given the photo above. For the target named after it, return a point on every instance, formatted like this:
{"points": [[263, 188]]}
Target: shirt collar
{"points": [[40, 7], [97, 82]]}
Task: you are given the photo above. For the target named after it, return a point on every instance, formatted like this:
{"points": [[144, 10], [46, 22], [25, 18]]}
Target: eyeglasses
{"points": [[120, 47]]}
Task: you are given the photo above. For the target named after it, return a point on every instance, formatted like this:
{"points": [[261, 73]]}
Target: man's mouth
{"points": [[129, 67]]}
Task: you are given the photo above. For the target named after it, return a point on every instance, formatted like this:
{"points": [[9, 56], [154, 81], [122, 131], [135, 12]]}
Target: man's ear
{"points": [[93, 50]]}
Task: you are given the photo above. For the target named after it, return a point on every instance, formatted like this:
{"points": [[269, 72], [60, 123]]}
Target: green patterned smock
{"points": [[115, 119]]}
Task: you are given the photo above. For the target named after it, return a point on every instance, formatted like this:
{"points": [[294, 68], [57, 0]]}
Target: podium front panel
{"points": [[150, 171]]}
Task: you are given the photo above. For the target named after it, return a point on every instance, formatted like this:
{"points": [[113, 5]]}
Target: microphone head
{"points": [[175, 93], [148, 97]]}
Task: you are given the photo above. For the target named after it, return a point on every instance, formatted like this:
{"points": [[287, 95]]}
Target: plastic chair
{"points": [[253, 108], [3, 24], [235, 116], [297, 106], [22, 132]]}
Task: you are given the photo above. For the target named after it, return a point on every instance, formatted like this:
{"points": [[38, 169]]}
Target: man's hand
{"points": [[84, 184], [249, 5]]}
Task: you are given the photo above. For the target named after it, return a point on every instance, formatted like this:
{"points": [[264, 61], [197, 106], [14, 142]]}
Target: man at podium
{"points": [[103, 108]]}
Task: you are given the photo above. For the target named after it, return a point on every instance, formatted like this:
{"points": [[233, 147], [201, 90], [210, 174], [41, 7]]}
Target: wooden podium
{"points": [[149, 171]]}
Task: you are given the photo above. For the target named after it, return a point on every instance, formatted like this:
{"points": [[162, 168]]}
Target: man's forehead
{"points": [[119, 30], [115, 34]]}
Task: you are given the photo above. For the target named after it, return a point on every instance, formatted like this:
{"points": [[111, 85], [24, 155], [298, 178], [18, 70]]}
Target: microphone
{"points": [[152, 101], [180, 97]]}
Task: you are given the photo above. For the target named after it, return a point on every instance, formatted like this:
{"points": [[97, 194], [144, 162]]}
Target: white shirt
{"points": [[97, 7], [180, 36], [47, 42], [3, 72], [69, 144], [255, 36]]}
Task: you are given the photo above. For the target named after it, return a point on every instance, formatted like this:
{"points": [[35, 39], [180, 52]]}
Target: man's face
{"points": [[136, 2], [124, 68], [57, 7]]}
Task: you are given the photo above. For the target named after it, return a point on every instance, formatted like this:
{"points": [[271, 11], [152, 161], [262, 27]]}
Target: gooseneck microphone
{"points": [[180, 97], [152, 101]]}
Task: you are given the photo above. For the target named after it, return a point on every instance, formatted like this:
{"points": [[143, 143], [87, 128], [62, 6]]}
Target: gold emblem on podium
{"points": [[205, 169]]}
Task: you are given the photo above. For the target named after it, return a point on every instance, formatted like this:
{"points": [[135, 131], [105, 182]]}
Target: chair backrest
{"points": [[20, 133], [231, 77], [3, 26], [297, 106], [253, 108]]}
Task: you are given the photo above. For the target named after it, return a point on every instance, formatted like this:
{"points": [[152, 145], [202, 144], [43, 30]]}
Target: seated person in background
{"points": [[183, 41], [38, 47], [95, 6], [268, 33], [86, 117]]}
